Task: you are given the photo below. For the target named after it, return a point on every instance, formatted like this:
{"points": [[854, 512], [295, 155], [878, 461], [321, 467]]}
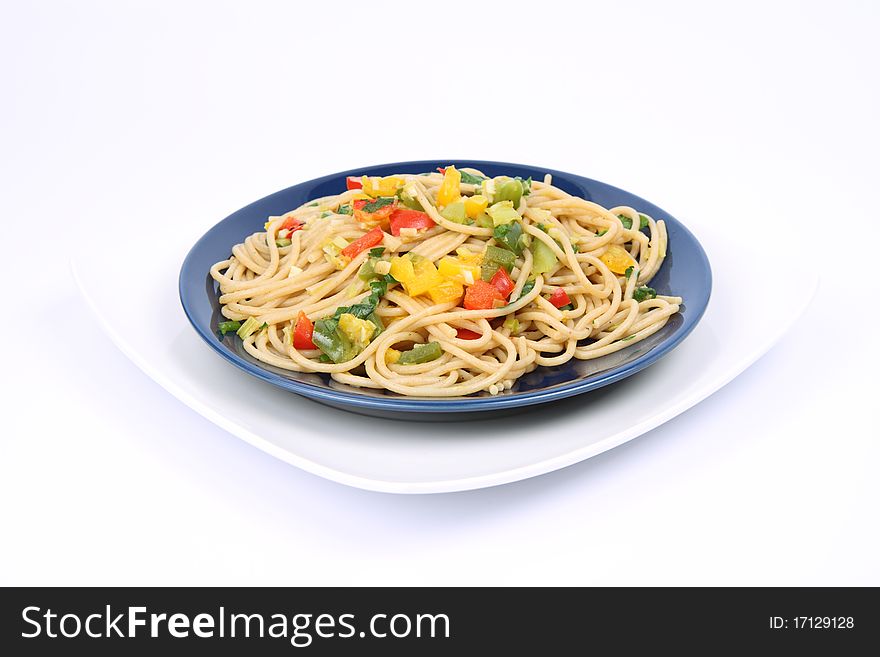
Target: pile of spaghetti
{"points": [[443, 284]]}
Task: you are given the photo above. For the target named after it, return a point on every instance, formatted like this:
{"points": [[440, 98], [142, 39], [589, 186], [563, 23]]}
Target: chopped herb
{"points": [[324, 358], [313, 205], [284, 241], [627, 338], [568, 306], [526, 185], [575, 247], [388, 278], [629, 271], [528, 287], [541, 227], [510, 236], [228, 327], [377, 252], [471, 179], [344, 209], [601, 232], [644, 292], [264, 325], [627, 222], [380, 202], [325, 214]]}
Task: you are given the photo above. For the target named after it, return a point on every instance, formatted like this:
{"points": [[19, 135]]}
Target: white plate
{"points": [[134, 295]]}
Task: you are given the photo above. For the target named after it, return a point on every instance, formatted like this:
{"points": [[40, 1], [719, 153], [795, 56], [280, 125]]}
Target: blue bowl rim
{"points": [[696, 310]]}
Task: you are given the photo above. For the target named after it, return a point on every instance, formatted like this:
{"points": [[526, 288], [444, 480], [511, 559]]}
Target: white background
{"points": [[197, 109]]}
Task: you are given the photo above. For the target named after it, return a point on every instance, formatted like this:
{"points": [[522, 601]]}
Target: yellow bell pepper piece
{"points": [[450, 188], [456, 269], [387, 186], [425, 278], [447, 291], [618, 259], [474, 205], [359, 331], [402, 268], [392, 356]]}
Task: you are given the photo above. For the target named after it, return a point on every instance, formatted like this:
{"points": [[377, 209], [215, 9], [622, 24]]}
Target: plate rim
{"points": [[456, 404]]}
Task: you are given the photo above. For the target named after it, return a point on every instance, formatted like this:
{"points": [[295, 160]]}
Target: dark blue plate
{"points": [[684, 273]]}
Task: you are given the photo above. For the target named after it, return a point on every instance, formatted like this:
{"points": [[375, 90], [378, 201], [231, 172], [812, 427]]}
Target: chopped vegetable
{"points": [[463, 270], [228, 327], [528, 287], [450, 188], [291, 224], [483, 220], [387, 186], [471, 179], [344, 209], [543, 257], [333, 252], [510, 236], [377, 252], [482, 296], [502, 281], [475, 205], [643, 293], [402, 268], [358, 331], [512, 325], [559, 298], [446, 291], [363, 243], [627, 222], [467, 334], [421, 353], [374, 213], [494, 258], [249, 327], [417, 275], [409, 197], [526, 185], [367, 272], [283, 242], [455, 212], [325, 214], [502, 213], [511, 190], [401, 218], [617, 259], [392, 356], [353, 182], [333, 342], [302, 332], [629, 271]]}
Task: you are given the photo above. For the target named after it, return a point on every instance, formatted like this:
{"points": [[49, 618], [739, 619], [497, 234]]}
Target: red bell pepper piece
{"points": [[467, 334], [363, 243], [481, 296], [560, 298], [302, 332], [402, 218], [354, 182], [441, 169], [503, 282], [377, 216], [292, 224]]}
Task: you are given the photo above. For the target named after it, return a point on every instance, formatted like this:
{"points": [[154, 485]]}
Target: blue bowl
{"points": [[685, 273]]}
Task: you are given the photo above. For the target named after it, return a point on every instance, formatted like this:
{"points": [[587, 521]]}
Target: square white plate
{"points": [[134, 295]]}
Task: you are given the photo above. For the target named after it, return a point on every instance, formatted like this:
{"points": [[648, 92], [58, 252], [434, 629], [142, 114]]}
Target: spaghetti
{"points": [[444, 284]]}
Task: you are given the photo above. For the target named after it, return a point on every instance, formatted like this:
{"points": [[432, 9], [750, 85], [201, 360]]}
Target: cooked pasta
{"points": [[444, 284]]}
